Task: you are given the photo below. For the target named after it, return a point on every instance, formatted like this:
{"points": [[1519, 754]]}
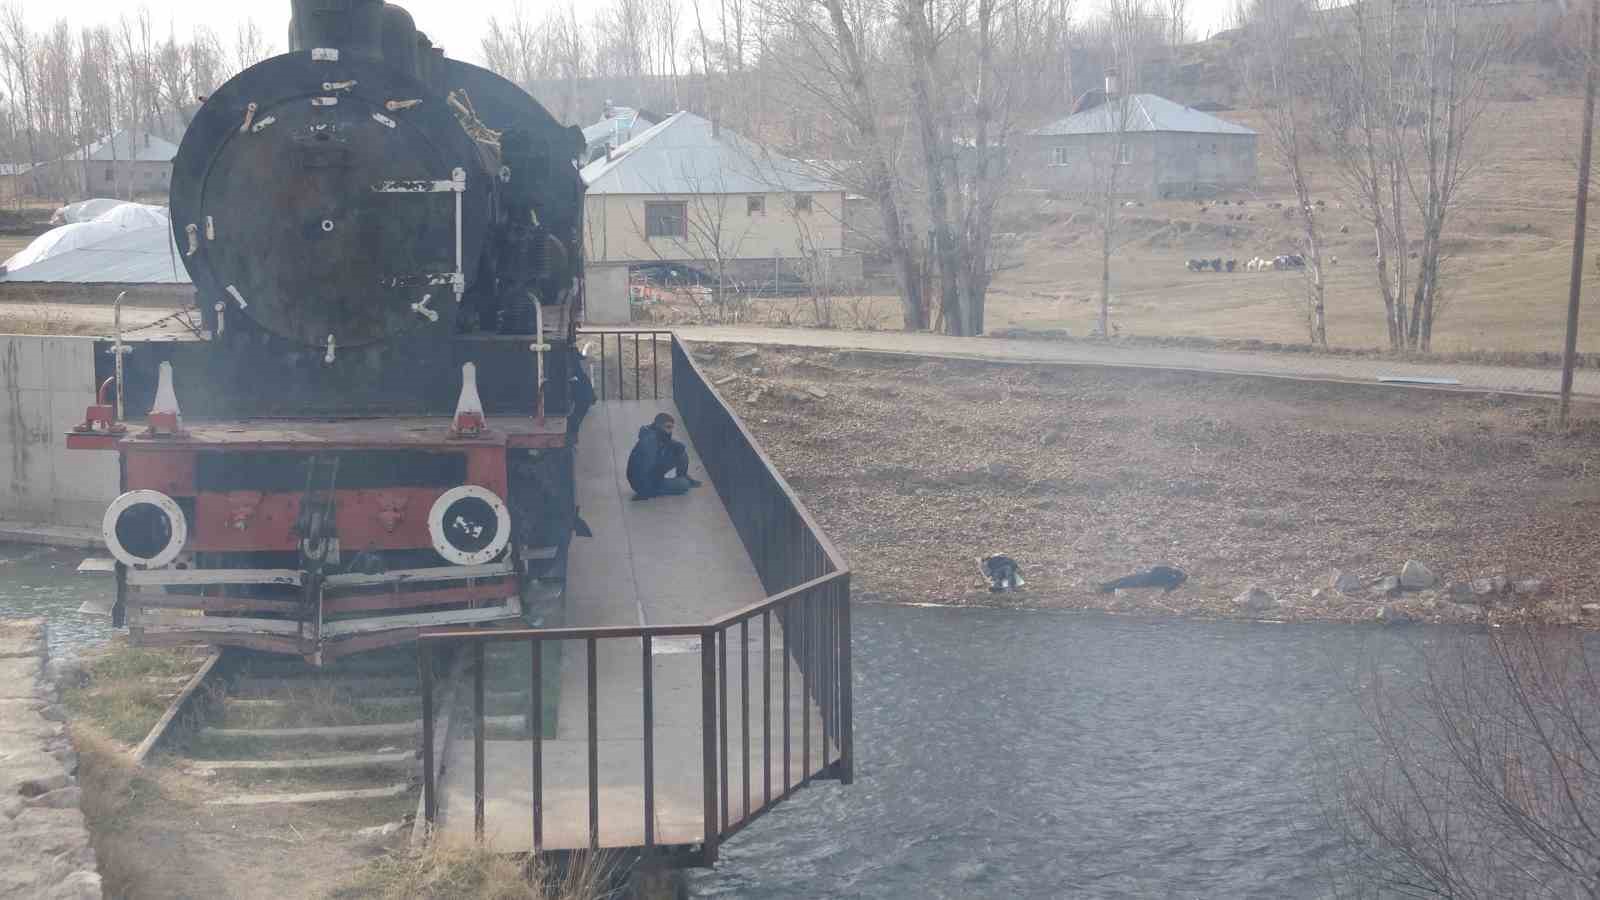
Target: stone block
{"points": [[53, 833], [70, 797], [1416, 577], [19, 677], [19, 647], [80, 885]]}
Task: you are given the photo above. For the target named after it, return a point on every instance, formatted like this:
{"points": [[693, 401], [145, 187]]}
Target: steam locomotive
{"points": [[372, 428]]}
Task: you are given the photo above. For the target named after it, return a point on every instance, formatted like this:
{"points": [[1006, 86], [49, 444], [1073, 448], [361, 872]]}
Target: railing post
{"points": [[766, 708], [649, 743], [477, 739], [430, 801], [744, 705], [708, 744], [847, 755], [594, 747], [787, 624], [537, 651], [722, 719]]}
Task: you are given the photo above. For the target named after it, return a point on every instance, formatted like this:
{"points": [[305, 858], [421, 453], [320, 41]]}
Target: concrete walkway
{"points": [[44, 842], [1510, 379], [673, 560]]}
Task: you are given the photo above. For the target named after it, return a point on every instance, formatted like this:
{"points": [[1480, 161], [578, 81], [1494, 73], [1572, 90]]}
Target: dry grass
{"points": [[127, 689], [1506, 283], [918, 467], [442, 872]]}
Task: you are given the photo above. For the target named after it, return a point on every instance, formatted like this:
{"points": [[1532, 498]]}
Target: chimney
{"points": [[1111, 82]]}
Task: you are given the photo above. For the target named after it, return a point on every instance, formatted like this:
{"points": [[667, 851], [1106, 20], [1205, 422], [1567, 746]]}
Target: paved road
{"points": [[1280, 365], [92, 319]]}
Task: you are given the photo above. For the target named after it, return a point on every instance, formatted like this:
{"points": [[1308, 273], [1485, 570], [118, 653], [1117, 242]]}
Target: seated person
{"points": [[654, 456]]}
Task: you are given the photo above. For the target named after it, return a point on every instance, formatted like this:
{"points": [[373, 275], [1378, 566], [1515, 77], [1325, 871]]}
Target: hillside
{"points": [[1505, 287]]}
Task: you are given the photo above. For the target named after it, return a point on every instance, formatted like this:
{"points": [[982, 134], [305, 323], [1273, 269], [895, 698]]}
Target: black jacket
{"points": [[644, 475]]}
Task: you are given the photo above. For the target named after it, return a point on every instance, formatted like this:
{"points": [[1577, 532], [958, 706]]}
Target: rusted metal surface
{"points": [[335, 434], [809, 598], [169, 473]]}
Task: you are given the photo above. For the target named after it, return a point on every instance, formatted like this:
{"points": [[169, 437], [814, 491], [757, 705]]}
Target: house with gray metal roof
{"points": [[1165, 149], [617, 126], [687, 191]]}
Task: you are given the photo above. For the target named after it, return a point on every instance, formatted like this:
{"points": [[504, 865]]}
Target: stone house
{"points": [[1167, 150]]}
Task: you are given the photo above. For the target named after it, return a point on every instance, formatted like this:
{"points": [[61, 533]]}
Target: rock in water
{"points": [[1416, 577], [1347, 582], [1530, 587], [1389, 585], [1394, 615], [1256, 600]]}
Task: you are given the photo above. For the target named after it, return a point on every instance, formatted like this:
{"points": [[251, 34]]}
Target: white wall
{"points": [[45, 385], [605, 294]]}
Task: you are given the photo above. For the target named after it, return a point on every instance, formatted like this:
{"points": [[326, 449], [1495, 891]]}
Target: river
{"points": [[43, 582], [1008, 753], [1058, 754]]}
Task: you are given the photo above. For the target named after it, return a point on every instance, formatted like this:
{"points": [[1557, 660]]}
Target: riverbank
{"points": [[44, 842], [1084, 474]]}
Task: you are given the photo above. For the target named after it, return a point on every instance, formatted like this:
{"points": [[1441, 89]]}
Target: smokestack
{"points": [[1111, 82]]}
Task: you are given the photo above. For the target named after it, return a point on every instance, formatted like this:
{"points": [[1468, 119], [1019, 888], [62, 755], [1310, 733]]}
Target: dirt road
{"points": [[1307, 366]]}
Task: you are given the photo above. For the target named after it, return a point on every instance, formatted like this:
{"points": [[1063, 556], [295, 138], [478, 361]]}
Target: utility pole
{"points": [[1581, 220]]}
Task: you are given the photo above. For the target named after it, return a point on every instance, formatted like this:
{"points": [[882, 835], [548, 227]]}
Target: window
{"points": [[1058, 156], [802, 203], [1124, 154], [666, 220], [755, 205], [110, 175]]}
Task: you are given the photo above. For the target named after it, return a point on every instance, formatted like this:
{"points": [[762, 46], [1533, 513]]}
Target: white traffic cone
{"points": [[469, 418], [165, 417]]}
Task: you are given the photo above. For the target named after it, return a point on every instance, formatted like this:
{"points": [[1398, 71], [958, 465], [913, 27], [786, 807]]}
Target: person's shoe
{"points": [[693, 482]]}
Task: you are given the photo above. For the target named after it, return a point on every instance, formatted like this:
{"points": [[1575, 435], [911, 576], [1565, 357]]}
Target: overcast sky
{"points": [[457, 25]]}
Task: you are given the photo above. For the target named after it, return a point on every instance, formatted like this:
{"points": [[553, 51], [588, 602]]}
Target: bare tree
{"points": [[706, 226], [1177, 15], [250, 45], [1111, 152], [17, 46], [834, 70], [1481, 778], [1409, 95], [1282, 79]]}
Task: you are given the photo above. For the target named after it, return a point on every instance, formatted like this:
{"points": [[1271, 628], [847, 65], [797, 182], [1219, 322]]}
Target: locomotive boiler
{"points": [[371, 429]]}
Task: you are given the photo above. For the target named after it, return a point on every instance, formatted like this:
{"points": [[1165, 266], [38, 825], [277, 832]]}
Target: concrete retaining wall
{"points": [[44, 842], [45, 384]]}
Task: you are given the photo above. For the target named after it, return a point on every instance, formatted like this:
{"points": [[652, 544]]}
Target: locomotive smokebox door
{"points": [[288, 174]]}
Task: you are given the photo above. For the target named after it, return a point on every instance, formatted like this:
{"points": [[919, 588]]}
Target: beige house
{"points": [[685, 191]]}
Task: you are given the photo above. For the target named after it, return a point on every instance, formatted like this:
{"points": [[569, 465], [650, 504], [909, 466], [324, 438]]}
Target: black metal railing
{"points": [[626, 364], [807, 611]]}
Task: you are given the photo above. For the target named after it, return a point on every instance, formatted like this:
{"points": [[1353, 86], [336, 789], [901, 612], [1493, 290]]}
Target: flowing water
{"points": [[43, 582], [1025, 754], [1055, 754]]}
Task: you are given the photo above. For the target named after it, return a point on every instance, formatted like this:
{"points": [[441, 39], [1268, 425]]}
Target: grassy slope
{"points": [[1506, 284]]}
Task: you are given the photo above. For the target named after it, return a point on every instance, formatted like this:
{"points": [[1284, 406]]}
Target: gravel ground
{"points": [[918, 467]]}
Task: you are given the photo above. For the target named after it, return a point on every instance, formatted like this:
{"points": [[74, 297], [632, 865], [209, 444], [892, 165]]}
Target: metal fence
{"points": [[808, 607], [626, 364]]}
